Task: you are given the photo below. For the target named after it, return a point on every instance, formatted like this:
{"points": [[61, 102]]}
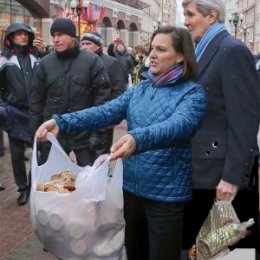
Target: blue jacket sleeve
{"points": [[111, 113]]}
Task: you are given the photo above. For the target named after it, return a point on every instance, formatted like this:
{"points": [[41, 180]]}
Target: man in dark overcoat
{"points": [[225, 151]]}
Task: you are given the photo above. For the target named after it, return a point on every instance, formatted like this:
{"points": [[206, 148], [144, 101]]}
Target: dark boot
{"points": [[23, 197]]}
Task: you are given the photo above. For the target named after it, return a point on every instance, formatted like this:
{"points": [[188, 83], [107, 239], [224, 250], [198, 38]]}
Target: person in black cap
{"points": [[66, 80], [92, 41], [17, 63]]}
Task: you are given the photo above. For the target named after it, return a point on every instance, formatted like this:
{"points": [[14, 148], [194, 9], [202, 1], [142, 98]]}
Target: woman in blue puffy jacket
{"points": [[163, 112]]}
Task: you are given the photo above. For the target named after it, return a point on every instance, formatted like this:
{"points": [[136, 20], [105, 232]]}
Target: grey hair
{"points": [[205, 6]]}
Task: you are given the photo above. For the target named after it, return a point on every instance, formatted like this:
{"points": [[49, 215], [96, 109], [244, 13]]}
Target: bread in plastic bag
{"points": [[87, 223]]}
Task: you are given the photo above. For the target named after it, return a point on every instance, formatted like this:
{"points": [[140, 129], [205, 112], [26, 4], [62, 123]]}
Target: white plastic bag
{"points": [[87, 223]]}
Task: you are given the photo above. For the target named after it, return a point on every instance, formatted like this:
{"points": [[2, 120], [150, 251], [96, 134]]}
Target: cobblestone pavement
{"points": [[17, 241]]}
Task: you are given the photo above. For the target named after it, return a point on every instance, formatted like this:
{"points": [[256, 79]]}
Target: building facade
{"points": [[131, 20], [247, 22]]}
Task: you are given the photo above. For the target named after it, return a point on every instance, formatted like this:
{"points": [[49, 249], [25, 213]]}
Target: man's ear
{"points": [[213, 16]]}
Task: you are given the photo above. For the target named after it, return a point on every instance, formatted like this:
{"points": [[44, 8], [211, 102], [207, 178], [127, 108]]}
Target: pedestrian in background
{"points": [[120, 52], [146, 63], [110, 49], [66, 80], [101, 140], [163, 112], [17, 63], [224, 149]]}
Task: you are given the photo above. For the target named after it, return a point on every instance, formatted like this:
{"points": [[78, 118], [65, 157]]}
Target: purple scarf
{"points": [[170, 76]]}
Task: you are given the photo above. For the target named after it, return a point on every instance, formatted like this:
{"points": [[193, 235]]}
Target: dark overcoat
{"points": [[225, 147]]}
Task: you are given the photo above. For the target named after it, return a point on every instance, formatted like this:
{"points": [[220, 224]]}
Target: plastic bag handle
{"points": [[55, 144], [117, 177]]}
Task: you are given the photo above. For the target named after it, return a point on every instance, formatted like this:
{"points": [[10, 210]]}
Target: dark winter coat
{"points": [[115, 74], [68, 83], [17, 65], [126, 62], [101, 140], [225, 146]]}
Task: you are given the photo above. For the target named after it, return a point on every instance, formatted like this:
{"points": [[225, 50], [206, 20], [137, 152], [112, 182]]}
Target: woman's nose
{"points": [[152, 53]]}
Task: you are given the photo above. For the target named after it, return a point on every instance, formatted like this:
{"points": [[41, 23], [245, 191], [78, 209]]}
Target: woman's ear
{"points": [[180, 58]]}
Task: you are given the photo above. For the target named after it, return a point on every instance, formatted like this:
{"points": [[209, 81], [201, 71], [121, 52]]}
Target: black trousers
{"points": [[153, 228], [17, 150]]}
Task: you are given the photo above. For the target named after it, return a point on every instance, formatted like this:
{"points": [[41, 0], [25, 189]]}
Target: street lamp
{"points": [[157, 25], [244, 32], [76, 7], [154, 25], [235, 18]]}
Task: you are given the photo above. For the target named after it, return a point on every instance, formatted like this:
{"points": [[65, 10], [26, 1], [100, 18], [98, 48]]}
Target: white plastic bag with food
{"points": [[85, 222]]}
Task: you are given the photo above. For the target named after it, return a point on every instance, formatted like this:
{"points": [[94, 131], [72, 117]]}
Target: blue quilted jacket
{"points": [[162, 120]]}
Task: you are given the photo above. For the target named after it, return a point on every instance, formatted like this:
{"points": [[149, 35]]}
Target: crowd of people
{"points": [[192, 116]]}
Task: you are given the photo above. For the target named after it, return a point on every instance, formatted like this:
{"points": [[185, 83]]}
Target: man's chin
{"points": [[59, 50], [23, 44]]}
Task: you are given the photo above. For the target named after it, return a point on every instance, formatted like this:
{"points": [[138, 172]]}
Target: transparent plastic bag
{"points": [[87, 223], [220, 230]]}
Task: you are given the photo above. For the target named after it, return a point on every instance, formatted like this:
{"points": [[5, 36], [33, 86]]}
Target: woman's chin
{"points": [[155, 72]]}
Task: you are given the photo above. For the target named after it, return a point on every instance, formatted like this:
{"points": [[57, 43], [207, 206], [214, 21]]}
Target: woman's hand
{"points": [[226, 191], [48, 126], [123, 148]]}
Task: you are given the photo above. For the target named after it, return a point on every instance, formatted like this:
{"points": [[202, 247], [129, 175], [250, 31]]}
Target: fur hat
{"points": [[65, 26], [92, 36]]}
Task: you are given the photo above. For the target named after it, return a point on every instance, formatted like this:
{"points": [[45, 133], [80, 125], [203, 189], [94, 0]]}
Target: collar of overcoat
{"points": [[210, 52]]}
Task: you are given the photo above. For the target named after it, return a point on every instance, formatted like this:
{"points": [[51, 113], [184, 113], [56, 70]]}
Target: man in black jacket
{"points": [[67, 80], [92, 41], [17, 62]]}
